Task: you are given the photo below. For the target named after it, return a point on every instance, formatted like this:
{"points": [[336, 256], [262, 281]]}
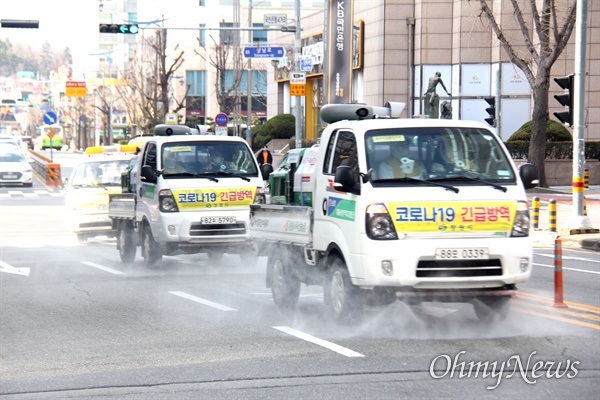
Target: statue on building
{"points": [[446, 109], [432, 99]]}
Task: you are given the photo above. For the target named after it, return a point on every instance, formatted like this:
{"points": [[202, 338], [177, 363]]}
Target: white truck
{"points": [[401, 209], [188, 193]]}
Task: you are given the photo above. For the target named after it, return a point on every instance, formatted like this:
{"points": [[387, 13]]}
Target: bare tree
{"points": [[221, 56], [544, 41], [148, 96]]}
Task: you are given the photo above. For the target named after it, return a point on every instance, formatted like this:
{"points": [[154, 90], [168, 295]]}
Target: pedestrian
{"points": [[265, 157]]}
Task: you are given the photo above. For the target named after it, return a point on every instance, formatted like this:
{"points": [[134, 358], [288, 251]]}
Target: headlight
{"points": [[521, 224], [379, 224], [166, 201], [260, 198]]}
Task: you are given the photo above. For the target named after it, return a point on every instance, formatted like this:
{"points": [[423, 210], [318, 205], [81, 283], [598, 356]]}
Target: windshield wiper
{"points": [[225, 173], [191, 175], [407, 179], [469, 179]]}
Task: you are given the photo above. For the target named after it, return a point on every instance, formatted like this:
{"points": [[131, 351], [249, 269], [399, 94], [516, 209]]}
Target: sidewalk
{"points": [[567, 218]]}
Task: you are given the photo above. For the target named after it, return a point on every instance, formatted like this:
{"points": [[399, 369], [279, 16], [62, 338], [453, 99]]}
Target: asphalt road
{"points": [[75, 322]]}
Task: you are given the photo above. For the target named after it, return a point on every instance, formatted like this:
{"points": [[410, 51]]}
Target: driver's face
{"points": [[400, 149], [217, 158]]}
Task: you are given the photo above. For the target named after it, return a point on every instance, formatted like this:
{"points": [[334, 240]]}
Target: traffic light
{"points": [[566, 99], [17, 23], [491, 110], [119, 28]]}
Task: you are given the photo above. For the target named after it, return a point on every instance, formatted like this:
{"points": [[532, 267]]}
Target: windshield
{"points": [[12, 157], [99, 173], [218, 158], [437, 154]]}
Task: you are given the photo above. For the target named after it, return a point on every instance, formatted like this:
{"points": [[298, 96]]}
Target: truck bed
{"points": [[121, 206], [281, 223]]}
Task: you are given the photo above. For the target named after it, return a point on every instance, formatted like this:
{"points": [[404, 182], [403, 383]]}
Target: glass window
{"points": [[180, 159], [259, 36], [438, 154]]}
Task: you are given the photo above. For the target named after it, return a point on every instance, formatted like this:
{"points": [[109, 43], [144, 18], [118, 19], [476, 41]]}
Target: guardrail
{"points": [[46, 169]]}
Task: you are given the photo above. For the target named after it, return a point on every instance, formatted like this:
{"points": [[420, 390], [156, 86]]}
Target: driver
{"points": [[398, 164], [217, 161]]}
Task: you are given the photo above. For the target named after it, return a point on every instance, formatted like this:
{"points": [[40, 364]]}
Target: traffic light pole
{"points": [[579, 219], [298, 107]]}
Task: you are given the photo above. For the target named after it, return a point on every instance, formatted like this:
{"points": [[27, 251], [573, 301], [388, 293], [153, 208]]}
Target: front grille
{"points": [[88, 225], [10, 176], [458, 268], [217, 229]]}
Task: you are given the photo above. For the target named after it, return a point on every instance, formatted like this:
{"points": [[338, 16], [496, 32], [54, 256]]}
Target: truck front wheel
{"points": [[150, 249], [342, 301], [126, 242], [285, 287], [490, 308]]}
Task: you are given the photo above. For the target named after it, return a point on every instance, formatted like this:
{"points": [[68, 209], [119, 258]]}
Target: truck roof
{"points": [[194, 138], [387, 123]]}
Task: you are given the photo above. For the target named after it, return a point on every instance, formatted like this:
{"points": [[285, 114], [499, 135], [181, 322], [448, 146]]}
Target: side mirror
{"points": [[147, 174], [529, 175], [344, 179], [265, 171]]}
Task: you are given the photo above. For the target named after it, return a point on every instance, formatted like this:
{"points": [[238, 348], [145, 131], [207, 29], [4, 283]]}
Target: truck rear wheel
{"points": [[150, 249], [285, 288], [126, 242], [490, 308], [342, 300]]}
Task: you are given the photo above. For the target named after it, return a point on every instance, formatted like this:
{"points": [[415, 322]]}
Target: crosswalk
{"points": [[30, 193]]}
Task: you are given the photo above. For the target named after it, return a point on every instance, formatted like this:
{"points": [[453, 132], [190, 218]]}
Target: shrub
{"points": [[555, 132], [282, 126]]}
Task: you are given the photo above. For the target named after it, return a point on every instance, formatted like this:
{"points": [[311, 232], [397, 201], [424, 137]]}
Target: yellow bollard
{"points": [[535, 212], [586, 178], [584, 206], [552, 209]]}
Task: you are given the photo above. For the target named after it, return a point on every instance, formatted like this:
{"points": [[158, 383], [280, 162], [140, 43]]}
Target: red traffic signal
{"points": [[119, 28]]}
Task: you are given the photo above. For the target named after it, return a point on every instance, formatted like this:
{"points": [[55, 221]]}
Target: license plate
{"points": [[10, 176], [470, 253], [217, 220]]}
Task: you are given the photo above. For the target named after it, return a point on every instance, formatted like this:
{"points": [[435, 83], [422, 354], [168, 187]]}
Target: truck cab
{"points": [[412, 209], [190, 193]]}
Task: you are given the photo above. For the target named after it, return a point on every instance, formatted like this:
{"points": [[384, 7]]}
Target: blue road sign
{"points": [[264, 52], [50, 118], [221, 119]]}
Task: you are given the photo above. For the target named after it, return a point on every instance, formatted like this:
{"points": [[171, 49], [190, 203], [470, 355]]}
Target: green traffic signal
{"points": [[119, 28]]}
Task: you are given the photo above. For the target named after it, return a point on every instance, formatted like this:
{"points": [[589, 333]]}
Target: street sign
{"points": [[75, 89], [221, 119], [298, 83], [171, 118], [274, 19], [264, 52], [221, 130], [306, 64], [51, 133], [50, 118]]}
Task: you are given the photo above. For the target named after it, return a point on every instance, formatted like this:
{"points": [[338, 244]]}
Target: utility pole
{"points": [[579, 219], [298, 106], [249, 80]]}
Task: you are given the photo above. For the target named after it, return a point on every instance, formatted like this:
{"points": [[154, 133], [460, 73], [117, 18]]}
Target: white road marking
{"points": [[203, 301], [320, 342], [6, 267], [103, 268], [571, 258], [570, 269]]}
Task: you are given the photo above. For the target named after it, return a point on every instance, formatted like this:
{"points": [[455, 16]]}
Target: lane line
{"points": [[557, 318], [595, 261], [570, 269], [103, 268], [319, 342], [203, 301], [571, 312], [580, 306]]}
